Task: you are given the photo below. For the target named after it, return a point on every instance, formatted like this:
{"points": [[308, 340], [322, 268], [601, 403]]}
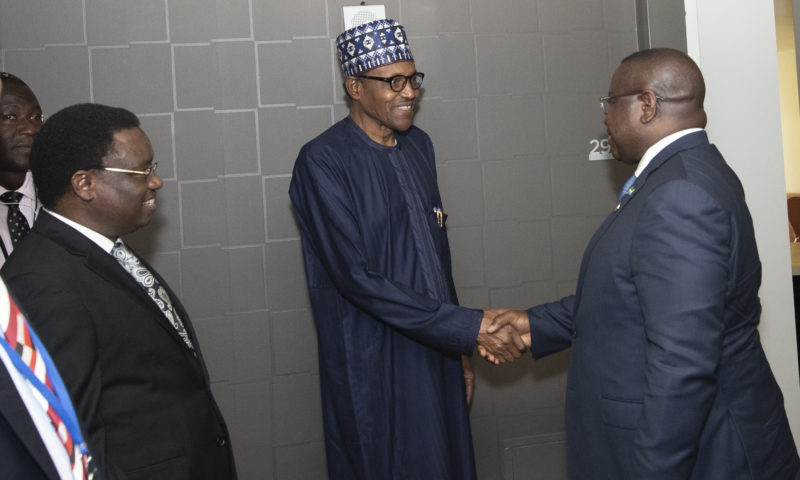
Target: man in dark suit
{"points": [[667, 376], [121, 338]]}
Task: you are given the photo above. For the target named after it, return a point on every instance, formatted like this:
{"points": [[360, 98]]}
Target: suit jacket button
{"points": [[221, 442]]}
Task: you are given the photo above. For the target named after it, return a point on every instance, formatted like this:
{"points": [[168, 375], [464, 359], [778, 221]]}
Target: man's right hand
{"points": [[503, 343], [516, 324]]}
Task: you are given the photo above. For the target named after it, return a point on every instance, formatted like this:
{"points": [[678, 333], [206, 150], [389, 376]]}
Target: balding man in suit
{"points": [[667, 376]]}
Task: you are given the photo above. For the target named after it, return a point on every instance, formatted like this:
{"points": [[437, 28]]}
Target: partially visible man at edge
{"points": [[667, 376], [391, 334], [119, 335], [20, 120], [35, 439]]}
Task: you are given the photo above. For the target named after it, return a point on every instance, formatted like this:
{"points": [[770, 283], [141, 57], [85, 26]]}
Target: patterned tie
{"points": [[17, 223], [144, 277], [18, 335]]}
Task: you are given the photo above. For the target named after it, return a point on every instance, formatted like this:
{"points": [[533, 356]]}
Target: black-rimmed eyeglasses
{"points": [[398, 82], [147, 171]]}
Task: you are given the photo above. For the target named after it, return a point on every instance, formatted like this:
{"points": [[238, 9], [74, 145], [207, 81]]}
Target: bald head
{"points": [[674, 77], [653, 94]]}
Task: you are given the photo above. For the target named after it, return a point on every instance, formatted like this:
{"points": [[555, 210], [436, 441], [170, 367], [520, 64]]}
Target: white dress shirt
{"points": [[656, 148], [101, 240]]}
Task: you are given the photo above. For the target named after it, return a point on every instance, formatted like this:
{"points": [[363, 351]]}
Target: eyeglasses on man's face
{"points": [[398, 82], [606, 102], [147, 171]]}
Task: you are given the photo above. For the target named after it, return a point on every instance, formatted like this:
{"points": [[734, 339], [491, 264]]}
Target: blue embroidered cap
{"points": [[372, 45]]}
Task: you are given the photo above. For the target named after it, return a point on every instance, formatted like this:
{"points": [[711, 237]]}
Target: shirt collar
{"points": [[101, 240], [656, 148]]}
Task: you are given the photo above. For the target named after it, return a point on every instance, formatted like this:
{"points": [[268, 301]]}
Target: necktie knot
{"points": [[11, 197]]}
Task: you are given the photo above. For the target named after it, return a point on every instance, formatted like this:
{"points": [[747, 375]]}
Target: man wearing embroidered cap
{"points": [[391, 333]]}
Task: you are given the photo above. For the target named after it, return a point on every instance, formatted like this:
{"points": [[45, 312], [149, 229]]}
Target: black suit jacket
{"points": [[22, 453], [142, 395]]}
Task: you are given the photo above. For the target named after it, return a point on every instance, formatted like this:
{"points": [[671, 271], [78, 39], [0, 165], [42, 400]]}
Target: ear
{"points": [[83, 184], [649, 106], [354, 87]]}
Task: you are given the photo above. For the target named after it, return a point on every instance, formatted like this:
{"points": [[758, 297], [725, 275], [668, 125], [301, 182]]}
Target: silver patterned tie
{"points": [[144, 277]]}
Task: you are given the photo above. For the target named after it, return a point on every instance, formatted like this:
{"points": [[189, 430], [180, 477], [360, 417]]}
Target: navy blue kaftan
{"points": [[390, 331]]}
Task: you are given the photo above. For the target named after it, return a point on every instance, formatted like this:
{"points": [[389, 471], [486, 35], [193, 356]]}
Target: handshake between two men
{"points": [[504, 335]]}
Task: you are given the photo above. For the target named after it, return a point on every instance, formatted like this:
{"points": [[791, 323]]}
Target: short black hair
{"points": [[11, 78], [74, 138]]}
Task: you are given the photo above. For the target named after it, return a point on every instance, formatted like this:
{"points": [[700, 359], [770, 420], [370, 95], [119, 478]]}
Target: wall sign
{"points": [[601, 150]]}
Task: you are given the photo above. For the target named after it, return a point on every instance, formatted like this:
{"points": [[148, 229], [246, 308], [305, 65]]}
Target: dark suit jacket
{"points": [[667, 375], [22, 453], [143, 397]]}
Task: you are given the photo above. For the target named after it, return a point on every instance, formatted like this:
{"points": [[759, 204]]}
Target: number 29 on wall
{"points": [[601, 150]]}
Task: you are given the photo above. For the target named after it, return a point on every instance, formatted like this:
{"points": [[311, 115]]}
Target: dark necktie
{"points": [[17, 223]]}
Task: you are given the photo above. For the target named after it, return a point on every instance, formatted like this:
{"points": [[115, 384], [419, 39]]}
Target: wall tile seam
{"points": [[277, 445], [580, 30], [290, 310], [197, 181], [282, 240], [239, 383], [225, 317], [276, 176], [271, 42], [235, 110], [232, 39], [229, 176], [445, 99], [25, 49], [265, 206], [228, 313], [244, 246], [92, 48], [456, 161], [509, 95], [298, 374], [314, 107], [187, 246], [163, 252], [178, 109], [507, 34], [148, 42], [274, 105]]}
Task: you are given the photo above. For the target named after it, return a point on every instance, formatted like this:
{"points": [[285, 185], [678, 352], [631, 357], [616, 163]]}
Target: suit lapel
{"points": [[16, 414], [686, 142], [106, 267]]}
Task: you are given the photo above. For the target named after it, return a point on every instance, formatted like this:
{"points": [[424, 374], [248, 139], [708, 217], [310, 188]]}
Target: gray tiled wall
{"points": [[228, 91]]}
